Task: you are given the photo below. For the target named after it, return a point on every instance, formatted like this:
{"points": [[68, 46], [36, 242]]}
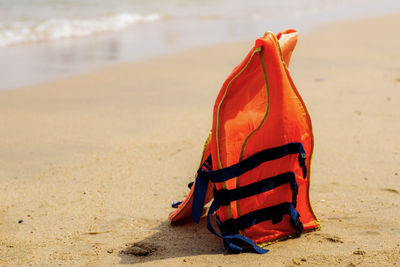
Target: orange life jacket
{"points": [[255, 160]]}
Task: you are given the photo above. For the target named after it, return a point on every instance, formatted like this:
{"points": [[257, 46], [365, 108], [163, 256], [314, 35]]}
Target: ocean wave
{"points": [[20, 32]]}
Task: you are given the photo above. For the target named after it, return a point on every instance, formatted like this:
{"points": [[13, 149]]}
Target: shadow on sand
{"points": [[172, 241]]}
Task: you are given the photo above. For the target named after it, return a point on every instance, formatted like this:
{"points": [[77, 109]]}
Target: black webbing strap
{"points": [[274, 213], [255, 160], [225, 196]]}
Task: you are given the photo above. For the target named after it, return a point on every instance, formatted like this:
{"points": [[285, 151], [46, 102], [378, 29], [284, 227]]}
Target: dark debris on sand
{"points": [[139, 249]]}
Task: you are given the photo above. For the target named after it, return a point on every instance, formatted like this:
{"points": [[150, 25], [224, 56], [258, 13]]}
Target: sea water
{"points": [[42, 40]]}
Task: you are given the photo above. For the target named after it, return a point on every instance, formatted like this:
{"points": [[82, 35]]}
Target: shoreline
{"points": [[39, 63], [89, 165]]}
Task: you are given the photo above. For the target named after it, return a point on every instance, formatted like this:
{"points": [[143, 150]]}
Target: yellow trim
{"points": [[259, 126], [267, 108], [205, 147], [218, 111], [312, 146], [265, 244], [222, 100], [311, 152], [310, 125]]}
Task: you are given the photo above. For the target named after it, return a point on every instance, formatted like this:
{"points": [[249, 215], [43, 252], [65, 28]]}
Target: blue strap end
{"points": [[176, 204]]}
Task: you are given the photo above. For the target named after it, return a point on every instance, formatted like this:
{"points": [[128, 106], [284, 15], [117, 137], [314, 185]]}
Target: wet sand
{"points": [[90, 165]]}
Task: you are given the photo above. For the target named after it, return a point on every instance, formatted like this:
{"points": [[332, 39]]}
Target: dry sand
{"points": [[91, 164]]}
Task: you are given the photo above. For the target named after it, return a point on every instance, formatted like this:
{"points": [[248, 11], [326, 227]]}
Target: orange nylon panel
{"points": [[239, 111], [250, 116], [267, 231]]}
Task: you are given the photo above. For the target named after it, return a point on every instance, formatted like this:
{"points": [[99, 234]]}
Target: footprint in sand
{"points": [[139, 249], [359, 252], [330, 238], [371, 232], [391, 190], [333, 239]]}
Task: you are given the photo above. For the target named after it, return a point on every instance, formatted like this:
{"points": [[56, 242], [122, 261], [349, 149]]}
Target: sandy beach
{"points": [[90, 165]]}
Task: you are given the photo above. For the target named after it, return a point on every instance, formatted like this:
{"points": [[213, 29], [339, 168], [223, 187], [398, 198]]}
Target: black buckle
{"points": [[302, 161], [203, 174], [222, 196], [298, 226], [304, 169], [302, 158], [228, 227]]}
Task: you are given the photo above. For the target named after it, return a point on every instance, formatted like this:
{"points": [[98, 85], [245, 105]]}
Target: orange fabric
{"points": [[287, 41], [258, 107], [251, 120]]}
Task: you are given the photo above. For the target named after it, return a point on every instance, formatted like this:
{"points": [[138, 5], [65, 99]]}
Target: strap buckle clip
{"points": [[298, 226], [222, 196], [203, 174]]}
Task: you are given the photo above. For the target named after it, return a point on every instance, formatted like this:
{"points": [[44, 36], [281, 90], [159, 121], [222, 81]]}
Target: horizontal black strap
{"points": [[255, 160], [274, 213], [205, 174], [225, 196]]}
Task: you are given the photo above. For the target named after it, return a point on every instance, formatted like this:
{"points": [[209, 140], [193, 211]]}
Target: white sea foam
{"points": [[19, 32]]}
